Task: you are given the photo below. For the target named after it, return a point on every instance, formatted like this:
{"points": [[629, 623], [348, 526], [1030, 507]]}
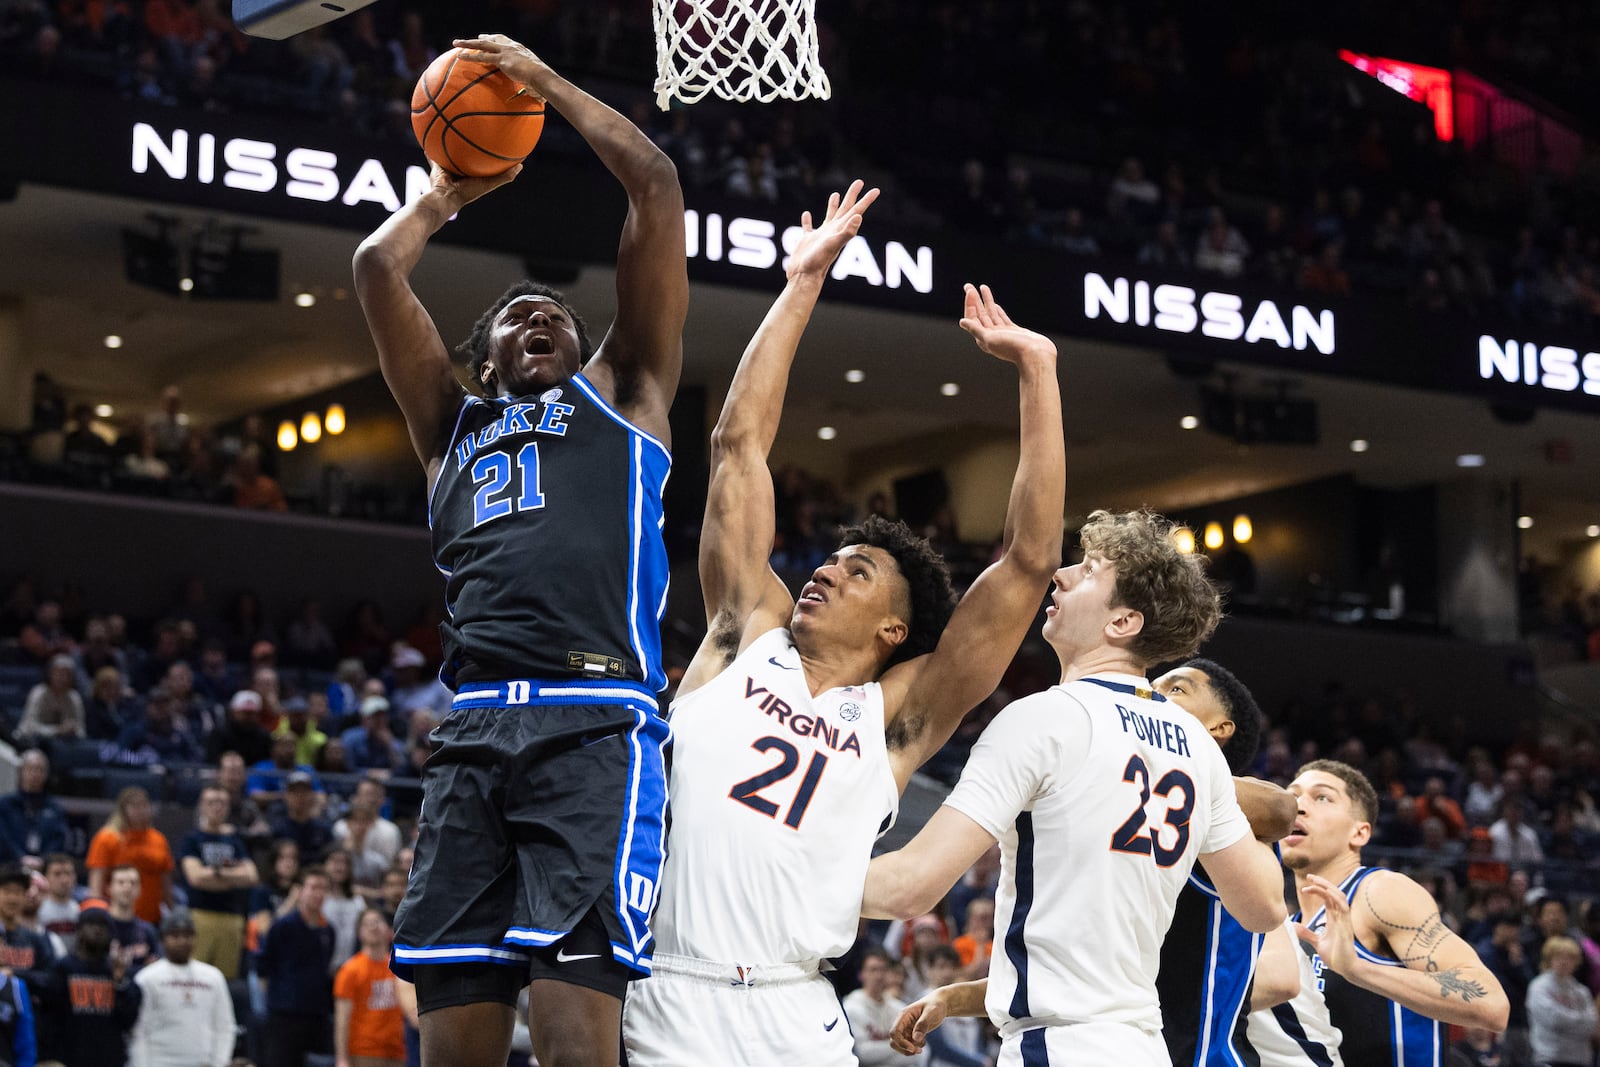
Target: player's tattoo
{"points": [[1451, 982], [1426, 936]]}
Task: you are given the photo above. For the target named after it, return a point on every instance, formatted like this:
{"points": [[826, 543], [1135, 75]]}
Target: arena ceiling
{"points": [[1123, 405]]}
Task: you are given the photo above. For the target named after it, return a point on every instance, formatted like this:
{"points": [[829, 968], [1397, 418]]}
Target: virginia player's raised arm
{"points": [[414, 359], [743, 597], [638, 363], [934, 692]]}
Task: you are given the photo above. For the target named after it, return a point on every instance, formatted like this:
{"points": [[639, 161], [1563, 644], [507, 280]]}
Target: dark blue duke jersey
{"points": [[546, 520]]}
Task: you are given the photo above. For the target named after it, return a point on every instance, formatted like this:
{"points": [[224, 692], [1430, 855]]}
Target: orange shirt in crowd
{"points": [[967, 947], [377, 1028], [148, 851]]}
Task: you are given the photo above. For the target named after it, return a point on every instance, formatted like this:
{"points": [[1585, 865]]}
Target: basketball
{"points": [[471, 119]]}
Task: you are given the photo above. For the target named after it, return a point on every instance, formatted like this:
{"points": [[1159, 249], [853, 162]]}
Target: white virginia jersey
{"points": [[1102, 794], [776, 799], [1298, 1032]]}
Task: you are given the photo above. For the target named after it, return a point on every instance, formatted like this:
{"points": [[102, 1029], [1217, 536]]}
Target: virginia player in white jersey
{"points": [[1102, 794], [798, 723]]}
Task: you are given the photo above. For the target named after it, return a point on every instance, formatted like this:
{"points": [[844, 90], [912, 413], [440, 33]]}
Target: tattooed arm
{"points": [[1442, 976]]}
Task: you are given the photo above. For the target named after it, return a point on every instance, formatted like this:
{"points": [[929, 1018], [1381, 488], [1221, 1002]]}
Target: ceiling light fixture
{"points": [[950, 389], [333, 421], [287, 438], [1189, 422], [1213, 535], [1469, 459], [310, 428], [113, 340], [826, 433], [304, 300], [104, 411], [1360, 444], [1524, 522], [855, 377]]}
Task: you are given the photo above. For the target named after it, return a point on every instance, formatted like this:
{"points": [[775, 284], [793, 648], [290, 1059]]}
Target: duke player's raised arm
{"points": [[413, 357], [638, 363]]}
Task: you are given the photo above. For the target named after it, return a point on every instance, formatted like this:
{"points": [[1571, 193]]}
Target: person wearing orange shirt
{"points": [[368, 1025], [129, 840], [1436, 803], [973, 946]]}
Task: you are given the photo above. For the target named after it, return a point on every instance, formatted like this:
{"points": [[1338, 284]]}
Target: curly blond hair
{"points": [[1169, 588]]}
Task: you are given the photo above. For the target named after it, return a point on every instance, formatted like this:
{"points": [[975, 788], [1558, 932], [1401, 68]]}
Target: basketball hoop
{"points": [[742, 50]]}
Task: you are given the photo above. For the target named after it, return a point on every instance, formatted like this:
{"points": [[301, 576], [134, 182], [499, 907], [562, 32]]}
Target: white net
{"points": [[742, 50]]}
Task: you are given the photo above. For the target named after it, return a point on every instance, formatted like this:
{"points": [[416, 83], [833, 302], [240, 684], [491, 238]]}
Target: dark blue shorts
{"points": [[544, 799]]}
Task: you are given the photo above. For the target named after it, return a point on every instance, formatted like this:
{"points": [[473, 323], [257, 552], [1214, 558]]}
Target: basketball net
{"points": [[742, 50]]}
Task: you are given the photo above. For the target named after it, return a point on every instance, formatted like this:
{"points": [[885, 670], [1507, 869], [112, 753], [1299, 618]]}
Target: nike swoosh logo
{"points": [[774, 661], [563, 957], [593, 739], [831, 1025]]}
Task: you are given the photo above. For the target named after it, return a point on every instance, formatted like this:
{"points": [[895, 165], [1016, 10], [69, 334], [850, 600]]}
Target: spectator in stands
{"points": [[299, 724], [373, 840], [1325, 274], [1478, 1048], [215, 679], [308, 640], [344, 904], [219, 873], [1550, 918], [1075, 238], [369, 1028], [1484, 792], [19, 1044], [973, 946], [1435, 802], [372, 745], [58, 908], [1132, 195], [32, 822], [1165, 248], [45, 637], [1222, 248], [167, 650], [981, 880], [1503, 953], [97, 651], [133, 937], [1561, 1010], [244, 815], [344, 691], [394, 891], [295, 817], [24, 951], [128, 838], [268, 779], [241, 731], [251, 488], [1514, 840], [198, 714], [111, 707], [54, 707], [90, 1002], [158, 739], [413, 689], [170, 426], [276, 894], [331, 760], [147, 464], [872, 1012], [974, 206], [1543, 795], [186, 1011], [294, 964], [961, 1045]]}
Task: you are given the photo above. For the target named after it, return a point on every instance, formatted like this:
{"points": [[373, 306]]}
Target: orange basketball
{"points": [[471, 119]]}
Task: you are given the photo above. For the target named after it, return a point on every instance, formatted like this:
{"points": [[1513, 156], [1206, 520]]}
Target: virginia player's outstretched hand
{"points": [[994, 331], [910, 1033]]}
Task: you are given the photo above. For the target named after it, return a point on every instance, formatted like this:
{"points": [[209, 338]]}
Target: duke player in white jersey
{"points": [[1102, 794], [798, 723]]}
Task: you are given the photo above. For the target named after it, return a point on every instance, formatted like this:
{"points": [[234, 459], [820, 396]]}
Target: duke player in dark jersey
{"points": [[1210, 976], [1391, 971], [1214, 972], [540, 842]]}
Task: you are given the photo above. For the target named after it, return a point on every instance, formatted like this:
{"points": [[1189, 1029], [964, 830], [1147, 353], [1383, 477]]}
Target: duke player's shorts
{"points": [[543, 813], [692, 1013], [1085, 1045]]}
